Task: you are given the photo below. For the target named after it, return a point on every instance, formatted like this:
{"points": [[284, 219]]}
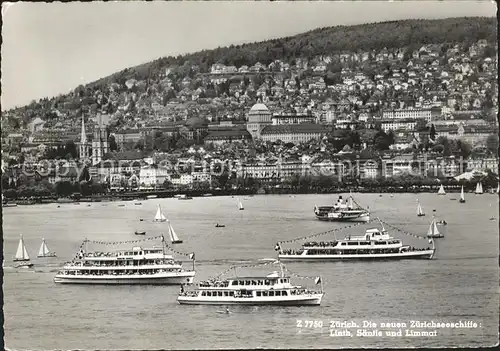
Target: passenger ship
{"points": [[134, 266], [374, 245], [342, 212], [273, 289]]}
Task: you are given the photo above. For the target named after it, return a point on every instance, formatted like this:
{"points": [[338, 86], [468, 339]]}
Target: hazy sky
{"points": [[50, 48]]}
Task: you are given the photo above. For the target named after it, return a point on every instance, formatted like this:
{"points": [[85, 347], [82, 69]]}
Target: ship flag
{"points": [[191, 256], [317, 280]]}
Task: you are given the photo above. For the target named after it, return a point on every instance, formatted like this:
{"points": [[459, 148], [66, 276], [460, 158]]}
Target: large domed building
{"points": [[259, 116]]}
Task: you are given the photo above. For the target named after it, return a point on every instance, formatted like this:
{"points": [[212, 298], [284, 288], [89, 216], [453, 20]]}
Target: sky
{"points": [[50, 48]]}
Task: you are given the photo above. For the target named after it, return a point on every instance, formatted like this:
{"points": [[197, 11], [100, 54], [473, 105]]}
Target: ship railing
{"points": [[292, 252], [320, 244]]}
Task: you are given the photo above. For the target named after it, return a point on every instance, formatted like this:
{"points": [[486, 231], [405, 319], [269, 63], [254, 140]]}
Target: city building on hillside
{"points": [[152, 176], [84, 147], [13, 139], [398, 124], [473, 134], [482, 164], [328, 168], [412, 113], [258, 117], [403, 164], [222, 136], [129, 136], [294, 133], [292, 118], [444, 166], [182, 179], [100, 144], [36, 125]]}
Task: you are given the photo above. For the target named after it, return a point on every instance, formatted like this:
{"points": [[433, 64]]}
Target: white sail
{"points": [[420, 212], [43, 249], [159, 217], [441, 190], [462, 195], [479, 188], [173, 235], [433, 229], [22, 253], [240, 204], [350, 203]]}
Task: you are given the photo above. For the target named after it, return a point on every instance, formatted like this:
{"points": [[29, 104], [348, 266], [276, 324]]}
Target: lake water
{"points": [[460, 284]]}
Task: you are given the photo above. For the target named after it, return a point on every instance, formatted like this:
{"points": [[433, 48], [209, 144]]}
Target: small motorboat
{"points": [[140, 233], [224, 312], [141, 219], [442, 222], [220, 225], [121, 205], [138, 203]]}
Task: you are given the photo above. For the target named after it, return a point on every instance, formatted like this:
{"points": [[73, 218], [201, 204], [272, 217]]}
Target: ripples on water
{"points": [[460, 284]]}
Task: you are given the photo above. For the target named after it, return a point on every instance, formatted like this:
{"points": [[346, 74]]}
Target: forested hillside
{"points": [[323, 41]]}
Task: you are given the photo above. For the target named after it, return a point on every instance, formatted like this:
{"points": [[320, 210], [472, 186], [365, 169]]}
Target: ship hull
{"points": [[310, 300], [24, 265], [145, 279], [425, 254], [354, 218]]}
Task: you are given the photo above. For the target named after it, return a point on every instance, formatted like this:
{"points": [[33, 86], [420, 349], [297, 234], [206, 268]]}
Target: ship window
{"points": [[226, 293], [264, 293], [219, 293], [203, 293], [271, 293], [257, 293], [261, 282], [234, 282], [248, 282], [231, 293], [344, 244], [267, 282]]}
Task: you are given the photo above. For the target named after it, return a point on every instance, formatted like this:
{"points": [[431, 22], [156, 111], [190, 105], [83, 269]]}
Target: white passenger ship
{"points": [[273, 289], [374, 245], [137, 265], [342, 212]]}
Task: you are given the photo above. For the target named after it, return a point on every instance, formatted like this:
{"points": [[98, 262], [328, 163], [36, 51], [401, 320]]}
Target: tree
{"points": [[492, 144], [432, 133], [112, 143]]}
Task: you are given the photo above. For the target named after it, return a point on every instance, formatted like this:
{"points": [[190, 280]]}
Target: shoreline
{"points": [[135, 196]]}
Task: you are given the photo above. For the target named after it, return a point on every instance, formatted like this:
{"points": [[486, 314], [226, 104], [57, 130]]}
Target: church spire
{"points": [[83, 137]]}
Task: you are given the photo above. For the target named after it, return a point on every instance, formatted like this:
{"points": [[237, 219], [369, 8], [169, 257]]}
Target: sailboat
{"points": [[498, 189], [240, 205], [441, 190], [159, 217], [433, 231], [479, 188], [173, 236], [22, 255], [44, 251], [420, 212], [462, 195]]}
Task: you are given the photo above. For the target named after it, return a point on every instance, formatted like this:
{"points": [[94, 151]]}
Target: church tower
{"points": [[100, 145], [84, 146]]}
